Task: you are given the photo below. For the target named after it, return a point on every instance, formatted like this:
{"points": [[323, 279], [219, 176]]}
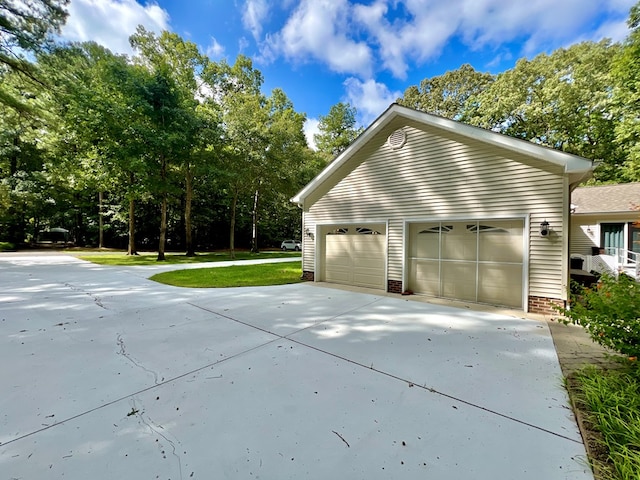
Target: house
{"points": [[603, 216], [423, 204], [603, 221]]}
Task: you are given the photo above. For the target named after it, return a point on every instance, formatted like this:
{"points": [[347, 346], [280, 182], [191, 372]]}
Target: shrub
{"points": [[609, 311]]}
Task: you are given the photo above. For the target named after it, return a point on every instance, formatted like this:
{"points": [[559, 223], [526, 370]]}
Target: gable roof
{"points": [[605, 198], [575, 167]]}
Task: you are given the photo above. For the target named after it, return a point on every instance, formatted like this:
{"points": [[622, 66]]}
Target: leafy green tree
{"points": [[337, 129], [447, 95], [102, 102], [25, 27], [284, 153], [21, 161], [236, 89], [562, 100], [626, 73], [181, 65]]}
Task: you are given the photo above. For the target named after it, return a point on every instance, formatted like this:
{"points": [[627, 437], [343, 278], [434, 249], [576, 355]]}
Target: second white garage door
{"points": [[355, 255], [470, 260]]}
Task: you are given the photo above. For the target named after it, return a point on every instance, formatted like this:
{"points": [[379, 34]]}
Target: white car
{"points": [[291, 245]]}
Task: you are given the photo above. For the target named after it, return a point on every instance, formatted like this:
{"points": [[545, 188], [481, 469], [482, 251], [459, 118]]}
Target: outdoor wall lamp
{"points": [[308, 233], [545, 229]]}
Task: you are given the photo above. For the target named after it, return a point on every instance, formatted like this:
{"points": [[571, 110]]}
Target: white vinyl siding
{"points": [[586, 230], [439, 176], [585, 234]]}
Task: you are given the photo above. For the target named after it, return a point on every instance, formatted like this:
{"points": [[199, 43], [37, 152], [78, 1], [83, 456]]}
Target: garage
{"points": [[461, 210], [476, 261], [355, 255]]}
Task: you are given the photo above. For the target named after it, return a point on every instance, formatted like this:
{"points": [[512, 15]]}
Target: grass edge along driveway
{"points": [[147, 259], [234, 276]]}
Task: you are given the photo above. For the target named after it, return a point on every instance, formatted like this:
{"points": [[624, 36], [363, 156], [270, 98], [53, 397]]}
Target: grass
{"points": [[177, 258], [610, 400], [234, 276], [7, 247]]}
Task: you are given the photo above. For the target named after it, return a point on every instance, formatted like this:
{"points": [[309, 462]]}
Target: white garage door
{"points": [[355, 255], [471, 261]]}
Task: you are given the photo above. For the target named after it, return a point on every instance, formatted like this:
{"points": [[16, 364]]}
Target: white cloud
{"points": [[420, 36], [214, 50], [111, 22], [370, 98], [321, 29], [358, 39], [616, 31], [254, 13], [310, 129]]}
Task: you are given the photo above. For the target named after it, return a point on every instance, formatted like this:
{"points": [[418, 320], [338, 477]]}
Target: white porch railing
{"points": [[612, 261]]}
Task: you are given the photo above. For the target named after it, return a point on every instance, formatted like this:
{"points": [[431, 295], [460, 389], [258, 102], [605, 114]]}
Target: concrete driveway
{"points": [[107, 375]]}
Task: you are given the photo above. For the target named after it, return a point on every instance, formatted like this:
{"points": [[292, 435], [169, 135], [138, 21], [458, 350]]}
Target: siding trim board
{"points": [[447, 171]]}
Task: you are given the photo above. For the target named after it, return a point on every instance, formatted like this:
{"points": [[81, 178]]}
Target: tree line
{"points": [[168, 149]]}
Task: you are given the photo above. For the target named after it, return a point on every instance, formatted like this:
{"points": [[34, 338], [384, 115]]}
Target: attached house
{"points": [[603, 216], [426, 205], [604, 225]]}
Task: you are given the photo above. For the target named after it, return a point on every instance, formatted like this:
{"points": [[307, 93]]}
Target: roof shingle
{"points": [[605, 198]]}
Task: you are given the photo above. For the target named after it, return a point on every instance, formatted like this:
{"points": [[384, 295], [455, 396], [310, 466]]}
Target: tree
{"points": [[562, 100], [447, 95], [21, 160], [626, 73], [181, 64], [102, 102], [337, 129], [284, 153], [24, 27], [236, 89]]}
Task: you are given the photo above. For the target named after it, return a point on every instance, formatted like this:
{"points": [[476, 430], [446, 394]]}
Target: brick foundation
{"points": [[308, 276], [394, 286], [544, 305]]}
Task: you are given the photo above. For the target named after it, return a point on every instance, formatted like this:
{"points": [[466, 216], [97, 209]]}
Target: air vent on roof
{"points": [[397, 139]]}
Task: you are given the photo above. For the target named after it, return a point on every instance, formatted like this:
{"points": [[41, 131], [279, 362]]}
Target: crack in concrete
{"points": [[123, 352], [97, 300], [155, 429]]}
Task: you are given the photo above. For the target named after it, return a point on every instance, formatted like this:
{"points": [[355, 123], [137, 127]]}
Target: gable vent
{"points": [[397, 139]]}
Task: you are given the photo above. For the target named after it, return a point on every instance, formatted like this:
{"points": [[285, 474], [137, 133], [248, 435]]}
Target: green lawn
{"points": [[234, 276], [6, 247], [178, 258]]}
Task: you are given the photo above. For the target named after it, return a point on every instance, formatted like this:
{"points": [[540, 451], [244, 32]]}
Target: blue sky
{"points": [[365, 52]]}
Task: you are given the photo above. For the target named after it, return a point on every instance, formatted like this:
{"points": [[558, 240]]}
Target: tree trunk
{"points": [[232, 228], [163, 228], [80, 233], [254, 224], [163, 209], [100, 221], [188, 238], [132, 220], [132, 228]]}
